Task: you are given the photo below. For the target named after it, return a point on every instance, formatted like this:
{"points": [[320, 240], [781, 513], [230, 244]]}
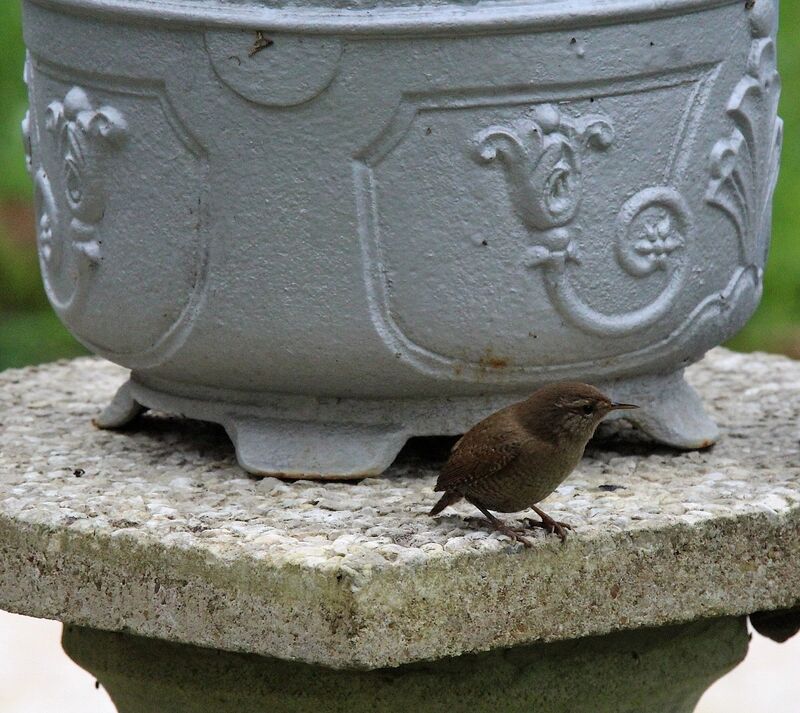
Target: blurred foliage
{"points": [[14, 181], [34, 338], [30, 333]]}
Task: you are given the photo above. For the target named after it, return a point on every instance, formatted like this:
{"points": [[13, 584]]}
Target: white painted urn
{"points": [[331, 226]]}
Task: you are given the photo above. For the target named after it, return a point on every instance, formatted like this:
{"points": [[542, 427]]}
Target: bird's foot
{"points": [[513, 534], [507, 530], [559, 528], [551, 525]]}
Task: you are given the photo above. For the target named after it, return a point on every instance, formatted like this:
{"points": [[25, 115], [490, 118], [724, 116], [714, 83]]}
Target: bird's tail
{"points": [[449, 498]]}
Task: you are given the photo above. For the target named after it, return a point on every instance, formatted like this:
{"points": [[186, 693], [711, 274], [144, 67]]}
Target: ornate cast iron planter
{"points": [[333, 226]]}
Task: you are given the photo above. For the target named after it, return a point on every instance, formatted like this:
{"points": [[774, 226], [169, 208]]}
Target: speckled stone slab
{"points": [[156, 531]]}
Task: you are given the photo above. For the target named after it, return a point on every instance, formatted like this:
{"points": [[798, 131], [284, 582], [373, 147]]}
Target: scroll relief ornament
{"points": [[744, 165], [541, 155], [83, 136]]}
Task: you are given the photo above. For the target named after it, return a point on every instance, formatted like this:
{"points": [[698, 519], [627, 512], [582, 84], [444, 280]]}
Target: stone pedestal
{"points": [[188, 586], [662, 670]]}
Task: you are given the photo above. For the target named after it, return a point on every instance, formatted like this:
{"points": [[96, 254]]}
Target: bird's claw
{"points": [[515, 535], [554, 527]]}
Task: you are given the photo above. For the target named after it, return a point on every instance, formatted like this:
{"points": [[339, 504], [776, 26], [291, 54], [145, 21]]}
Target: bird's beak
{"points": [[622, 407]]}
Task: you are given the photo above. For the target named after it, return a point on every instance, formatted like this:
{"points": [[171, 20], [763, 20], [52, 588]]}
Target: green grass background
{"points": [[30, 333]]}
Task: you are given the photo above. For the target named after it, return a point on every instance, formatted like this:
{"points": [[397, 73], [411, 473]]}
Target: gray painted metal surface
{"points": [[331, 228]]}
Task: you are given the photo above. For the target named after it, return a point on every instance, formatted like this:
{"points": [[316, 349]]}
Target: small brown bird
{"points": [[522, 453]]}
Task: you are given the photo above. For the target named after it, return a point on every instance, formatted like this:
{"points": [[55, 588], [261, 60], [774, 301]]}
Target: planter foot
{"points": [[670, 411], [291, 438], [121, 411], [313, 450]]}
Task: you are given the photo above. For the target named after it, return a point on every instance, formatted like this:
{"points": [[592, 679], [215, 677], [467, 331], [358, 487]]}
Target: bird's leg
{"points": [[500, 526], [548, 523], [479, 521]]}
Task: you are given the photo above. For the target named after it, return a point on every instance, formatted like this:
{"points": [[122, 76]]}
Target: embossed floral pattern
{"points": [[652, 226], [744, 165], [658, 236], [541, 154], [82, 136]]}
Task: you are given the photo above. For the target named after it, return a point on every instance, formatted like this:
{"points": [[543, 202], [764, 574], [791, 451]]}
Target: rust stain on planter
{"points": [[491, 361]]}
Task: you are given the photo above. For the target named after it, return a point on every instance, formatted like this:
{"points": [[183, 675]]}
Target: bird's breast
{"points": [[526, 481]]}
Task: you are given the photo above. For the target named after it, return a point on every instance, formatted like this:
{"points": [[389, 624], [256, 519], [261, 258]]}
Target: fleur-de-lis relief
{"points": [[744, 165], [69, 211], [541, 154], [83, 135]]}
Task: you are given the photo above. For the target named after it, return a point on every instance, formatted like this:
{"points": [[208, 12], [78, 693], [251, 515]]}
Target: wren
{"points": [[520, 454]]}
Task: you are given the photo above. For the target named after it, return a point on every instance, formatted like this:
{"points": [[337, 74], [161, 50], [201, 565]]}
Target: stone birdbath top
{"points": [[156, 531]]}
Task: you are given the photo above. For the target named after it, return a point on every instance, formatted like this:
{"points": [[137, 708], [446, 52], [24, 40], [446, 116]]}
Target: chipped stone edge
{"points": [[386, 616]]}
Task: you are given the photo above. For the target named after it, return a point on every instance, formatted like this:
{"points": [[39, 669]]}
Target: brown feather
{"points": [[485, 449], [448, 499]]}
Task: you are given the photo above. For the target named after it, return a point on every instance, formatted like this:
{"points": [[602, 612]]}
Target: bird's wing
{"points": [[479, 454]]}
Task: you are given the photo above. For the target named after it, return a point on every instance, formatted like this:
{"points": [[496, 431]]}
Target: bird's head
{"points": [[569, 410]]}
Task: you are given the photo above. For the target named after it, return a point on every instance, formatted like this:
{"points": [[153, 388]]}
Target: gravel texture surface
{"points": [[156, 531]]}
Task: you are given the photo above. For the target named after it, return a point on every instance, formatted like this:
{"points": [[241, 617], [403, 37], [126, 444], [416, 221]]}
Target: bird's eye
{"points": [[588, 409]]}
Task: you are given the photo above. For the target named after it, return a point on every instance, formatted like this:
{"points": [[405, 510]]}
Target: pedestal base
{"points": [[663, 670]]}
